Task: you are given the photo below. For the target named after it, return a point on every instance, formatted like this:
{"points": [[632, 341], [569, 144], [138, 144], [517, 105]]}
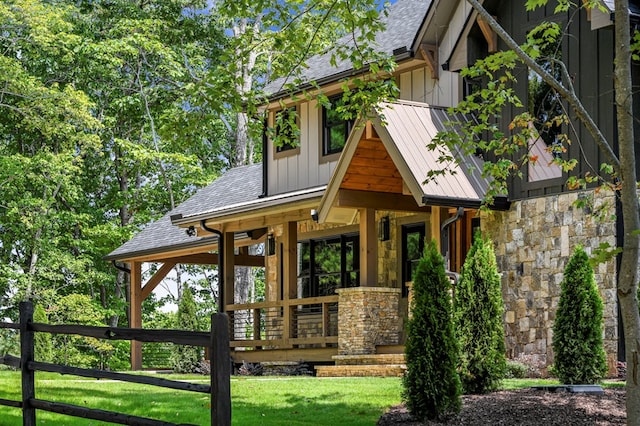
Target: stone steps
{"points": [[367, 365], [388, 370], [369, 359]]}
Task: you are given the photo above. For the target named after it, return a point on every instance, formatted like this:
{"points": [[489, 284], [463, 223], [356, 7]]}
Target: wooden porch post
{"points": [[229, 268], [434, 222], [289, 277], [368, 248], [229, 277], [135, 312]]}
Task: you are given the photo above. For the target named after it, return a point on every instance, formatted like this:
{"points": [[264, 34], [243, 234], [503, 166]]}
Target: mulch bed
{"points": [[528, 407]]}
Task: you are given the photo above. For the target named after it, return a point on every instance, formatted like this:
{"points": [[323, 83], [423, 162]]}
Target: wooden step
{"points": [[369, 359], [388, 370]]}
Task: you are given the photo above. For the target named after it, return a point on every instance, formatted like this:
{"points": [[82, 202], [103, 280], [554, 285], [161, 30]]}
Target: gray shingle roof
{"points": [[238, 185], [402, 24]]}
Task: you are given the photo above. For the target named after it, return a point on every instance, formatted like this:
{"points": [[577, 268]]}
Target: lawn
{"points": [[256, 400]]}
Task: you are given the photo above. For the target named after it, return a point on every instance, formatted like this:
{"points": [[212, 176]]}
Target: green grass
{"points": [[256, 400]]}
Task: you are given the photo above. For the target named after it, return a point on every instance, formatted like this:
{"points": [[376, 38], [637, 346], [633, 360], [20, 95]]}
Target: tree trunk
{"points": [[625, 166], [628, 274]]}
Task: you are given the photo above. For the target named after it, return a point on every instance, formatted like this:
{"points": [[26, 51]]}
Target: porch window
{"points": [[335, 129], [412, 250], [325, 265]]}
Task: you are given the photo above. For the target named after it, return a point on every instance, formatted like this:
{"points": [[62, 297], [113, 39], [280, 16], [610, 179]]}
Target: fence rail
{"points": [[217, 341]]}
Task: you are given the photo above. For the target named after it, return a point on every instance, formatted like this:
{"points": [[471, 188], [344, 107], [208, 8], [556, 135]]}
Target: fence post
{"points": [[26, 356], [220, 371]]}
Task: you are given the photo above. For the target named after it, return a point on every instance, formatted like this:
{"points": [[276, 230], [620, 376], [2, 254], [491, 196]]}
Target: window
{"points": [[325, 265], [545, 108], [412, 250], [335, 129], [287, 131]]}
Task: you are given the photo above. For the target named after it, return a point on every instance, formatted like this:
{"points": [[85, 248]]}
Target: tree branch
{"points": [[582, 114]]}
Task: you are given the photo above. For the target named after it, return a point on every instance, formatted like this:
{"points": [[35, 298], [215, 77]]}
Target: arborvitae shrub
{"points": [[579, 355], [479, 325], [431, 384], [186, 359]]}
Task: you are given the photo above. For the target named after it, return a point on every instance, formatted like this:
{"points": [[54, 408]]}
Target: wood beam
{"points": [[585, 3], [489, 35], [162, 257], [370, 132], [135, 312], [212, 259], [368, 248], [429, 53], [156, 279], [378, 200]]}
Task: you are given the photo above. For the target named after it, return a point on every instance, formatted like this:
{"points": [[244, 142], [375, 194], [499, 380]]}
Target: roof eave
{"points": [[132, 255], [256, 205], [283, 94]]}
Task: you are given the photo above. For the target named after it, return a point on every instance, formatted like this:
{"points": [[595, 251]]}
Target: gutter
{"points": [[499, 203], [253, 205], [403, 54]]}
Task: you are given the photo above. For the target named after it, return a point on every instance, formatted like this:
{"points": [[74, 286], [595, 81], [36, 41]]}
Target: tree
{"points": [[43, 341], [431, 385], [619, 172], [579, 355], [185, 359], [479, 320]]}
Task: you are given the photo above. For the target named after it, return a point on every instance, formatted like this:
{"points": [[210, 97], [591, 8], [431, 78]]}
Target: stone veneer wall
{"points": [[368, 316], [533, 242]]}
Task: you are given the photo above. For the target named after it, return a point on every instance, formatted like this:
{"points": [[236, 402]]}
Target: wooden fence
{"points": [[217, 341]]}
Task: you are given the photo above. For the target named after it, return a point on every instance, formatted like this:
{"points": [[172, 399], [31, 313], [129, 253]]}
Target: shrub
{"points": [[516, 370], [186, 359], [431, 386], [479, 327], [577, 330]]}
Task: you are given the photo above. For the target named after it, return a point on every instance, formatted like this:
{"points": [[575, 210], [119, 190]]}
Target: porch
{"points": [[341, 328]]}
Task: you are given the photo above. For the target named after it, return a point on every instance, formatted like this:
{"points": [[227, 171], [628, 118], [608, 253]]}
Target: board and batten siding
{"points": [[306, 169], [592, 71]]}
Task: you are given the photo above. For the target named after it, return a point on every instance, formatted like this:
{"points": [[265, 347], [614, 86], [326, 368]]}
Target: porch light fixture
{"points": [[383, 229], [191, 231], [271, 245]]}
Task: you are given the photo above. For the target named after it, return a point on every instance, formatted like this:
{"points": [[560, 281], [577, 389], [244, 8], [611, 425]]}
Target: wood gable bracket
{"points": [[585, 3], [429, 53], [489, 35]]}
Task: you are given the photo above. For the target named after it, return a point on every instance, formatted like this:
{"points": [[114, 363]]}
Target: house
{"points": [[343, 213]]}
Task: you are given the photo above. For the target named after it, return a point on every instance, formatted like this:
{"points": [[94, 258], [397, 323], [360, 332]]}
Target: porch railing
{"points": [[294, 323]]}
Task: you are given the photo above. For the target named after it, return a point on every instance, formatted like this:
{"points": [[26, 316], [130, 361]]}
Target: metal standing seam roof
{"points": [[405, 129], [410, 127]]}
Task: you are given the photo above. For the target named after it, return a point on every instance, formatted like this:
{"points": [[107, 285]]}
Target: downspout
{"points": [[204, 226], [120, 268], [265, 157], [444, 241]]}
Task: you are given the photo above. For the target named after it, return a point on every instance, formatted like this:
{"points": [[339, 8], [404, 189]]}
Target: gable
{"points": [[389, 155]]}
